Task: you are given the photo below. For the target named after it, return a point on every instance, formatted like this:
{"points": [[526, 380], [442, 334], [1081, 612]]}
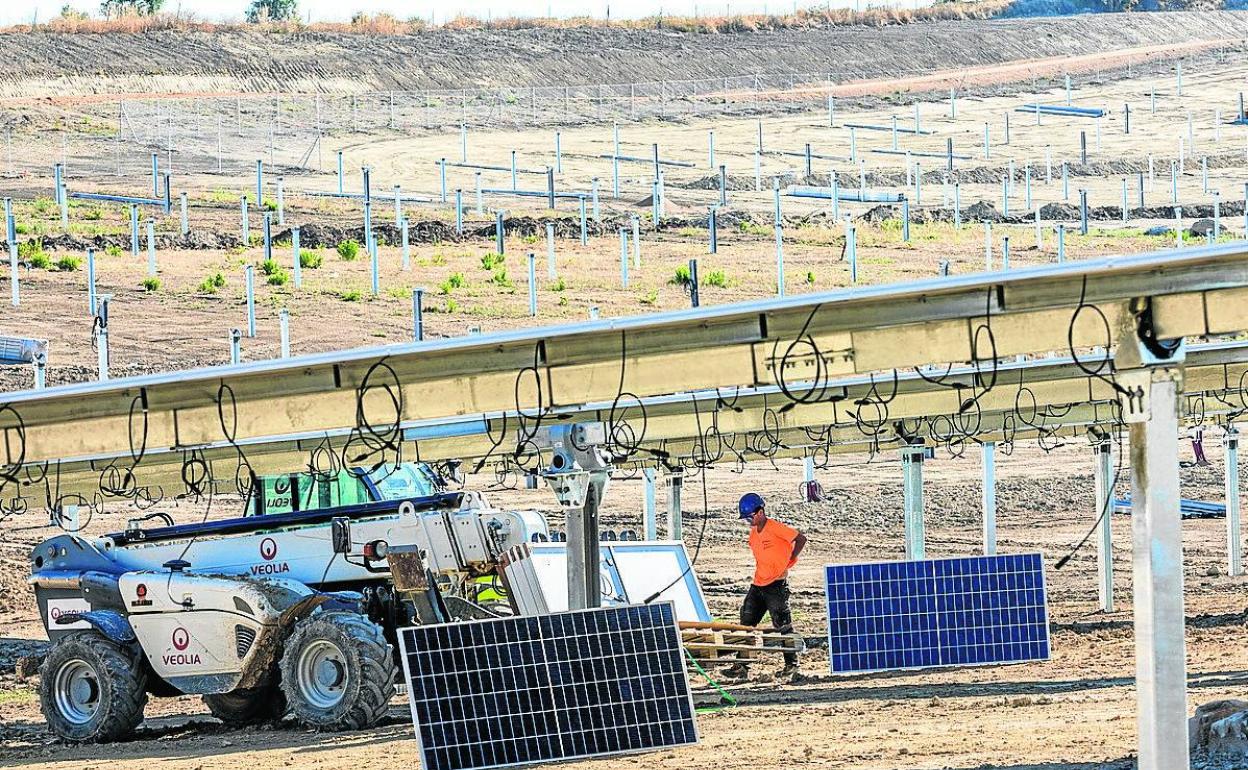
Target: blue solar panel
{"points": [[521, 690], [937, 612]]}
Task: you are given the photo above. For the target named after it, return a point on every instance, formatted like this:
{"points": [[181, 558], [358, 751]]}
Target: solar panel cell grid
{"points": [[915, 614], [521, 690]]}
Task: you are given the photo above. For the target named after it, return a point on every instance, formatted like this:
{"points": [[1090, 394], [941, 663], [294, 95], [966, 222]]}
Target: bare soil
{"points": [[50, 64], [1075, 712]]}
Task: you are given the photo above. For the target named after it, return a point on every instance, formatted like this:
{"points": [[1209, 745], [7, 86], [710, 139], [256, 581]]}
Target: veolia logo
{"points": [[56, 614], [181, 640], [268, 549]]}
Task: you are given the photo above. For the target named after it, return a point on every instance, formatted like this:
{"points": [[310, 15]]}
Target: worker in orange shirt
{"points": [[776, 547]]}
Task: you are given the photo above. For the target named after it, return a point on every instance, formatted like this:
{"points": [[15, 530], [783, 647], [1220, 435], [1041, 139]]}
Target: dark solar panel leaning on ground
{"points": [[512, 691], [937, 612]]}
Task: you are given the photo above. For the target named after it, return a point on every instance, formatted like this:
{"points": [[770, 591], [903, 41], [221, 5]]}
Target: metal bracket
{"points": [[1142, 359]]}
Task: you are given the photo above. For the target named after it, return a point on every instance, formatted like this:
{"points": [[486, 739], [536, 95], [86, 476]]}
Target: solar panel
{"points": [[519, 690], [937, 612]]}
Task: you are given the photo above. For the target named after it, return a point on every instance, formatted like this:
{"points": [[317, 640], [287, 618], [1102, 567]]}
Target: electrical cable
{"points": [[706, 515], [1105, 511]]}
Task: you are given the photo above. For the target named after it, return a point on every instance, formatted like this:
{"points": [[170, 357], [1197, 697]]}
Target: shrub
{"points": [[211, 284], [452, 306], [500, 279], [270, 267], [455, 281], [33, 255], [890, 225], [491, 261], [559, 285], [349, 249], [278, 277], [681, 278], [651, 298], [151, 284], [748, 227], [717, 278], [93, 214], [810, 277], [351, 295], [310, 260], [68, 264], [113, 251]]}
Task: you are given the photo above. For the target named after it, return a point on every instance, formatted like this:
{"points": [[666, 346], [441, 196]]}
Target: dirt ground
{"points": [[466, 289], [272, 61], [1075, 712]]}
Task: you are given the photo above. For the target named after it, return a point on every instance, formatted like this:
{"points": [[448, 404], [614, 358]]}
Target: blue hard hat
{"points": [[750, 504]]}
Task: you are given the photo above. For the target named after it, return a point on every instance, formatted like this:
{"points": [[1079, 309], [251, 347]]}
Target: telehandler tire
{"points": [[338, 672], [255, 705], [91, 689]]}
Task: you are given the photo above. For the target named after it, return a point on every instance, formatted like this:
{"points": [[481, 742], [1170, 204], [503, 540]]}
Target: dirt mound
{"points": [[196, 239], [252, 61]]}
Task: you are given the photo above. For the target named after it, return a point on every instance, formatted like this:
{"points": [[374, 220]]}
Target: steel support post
{"points": [[584, 583], [249, 275], [1234, 538], [1104, 486], [651, 522], [418, 314], [989, 451], [675, 484], [90, 281], [296, 264], [532, 284], [912, 474], [101, 322], [1160, 657], [284, 330]]}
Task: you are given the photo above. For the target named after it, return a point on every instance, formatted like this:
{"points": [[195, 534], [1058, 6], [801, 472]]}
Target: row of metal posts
{"points": [[675, 483]]}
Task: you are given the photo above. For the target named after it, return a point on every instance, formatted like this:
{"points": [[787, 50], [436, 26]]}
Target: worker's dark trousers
{"points": [[771, 599]]}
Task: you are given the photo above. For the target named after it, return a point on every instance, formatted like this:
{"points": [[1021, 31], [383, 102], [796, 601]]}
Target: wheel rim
{"points": [[77, 691], [322, 674]]}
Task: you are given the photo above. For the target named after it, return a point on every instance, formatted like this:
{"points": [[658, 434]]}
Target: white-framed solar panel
{"points": [[965, 611], [550, 688], [631, 571]]}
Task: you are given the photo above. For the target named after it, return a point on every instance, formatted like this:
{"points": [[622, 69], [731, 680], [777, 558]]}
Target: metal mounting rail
{"points": [[799, 339]]}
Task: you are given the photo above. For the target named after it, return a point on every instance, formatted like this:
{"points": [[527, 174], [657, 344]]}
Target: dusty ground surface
{"points": [[1075, 712], [43, 64], [467, 289]]}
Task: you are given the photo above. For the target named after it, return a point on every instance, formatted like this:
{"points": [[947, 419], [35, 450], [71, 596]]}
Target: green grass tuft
{"points": [[349, 250]]}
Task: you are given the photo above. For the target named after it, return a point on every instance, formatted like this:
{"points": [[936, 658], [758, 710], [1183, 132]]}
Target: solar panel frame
{"points": [[562, 693], [930, 636]]}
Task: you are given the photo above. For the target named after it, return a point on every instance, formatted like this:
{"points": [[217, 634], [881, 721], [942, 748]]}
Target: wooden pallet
{"points": [[713, 643]]}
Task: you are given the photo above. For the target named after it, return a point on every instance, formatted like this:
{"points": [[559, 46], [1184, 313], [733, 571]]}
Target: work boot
{"points": [[790, 672]]}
